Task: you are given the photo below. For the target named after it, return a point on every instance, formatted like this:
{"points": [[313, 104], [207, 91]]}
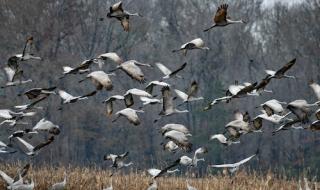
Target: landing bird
{"points": [[223, 140], [109, 103], [68, 98], [31, 105], [301, 108], [100, 79], [154, 172], [152, 84], [168, 107], [281, 72], [36, 92], [48, 126], [185, 161], [14, 77], [175, 127], [116, 11], [221, 18], [180, 139], [273, 107], [234, 166], [118, 160], [80, 69], [60, 185], [197, 43], [130, 114], [34, 150], [168, 73]]}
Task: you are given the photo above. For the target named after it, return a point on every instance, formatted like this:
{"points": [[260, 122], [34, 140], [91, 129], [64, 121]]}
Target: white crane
{"points": [[154, 172], [26, 54], [128, 96], [197, 43], [168, 107], [111, 55], [273, 106], [36, 92], [146, 101], [34, 150], [223, 140], [234, 166], [221, 18], [68, 98], [14, 77], [180, 139], [316, 89], [60, 185], [170, 146], [130, 114], [186, 161], [175, 127], [22, 186], [100, 79], [281, 72], [301, 108], [152, 84], [168, 73], [109, 103], [132, 69], [46, 125], [116, 11], [80, 69], [118, 160], [31, 105]]}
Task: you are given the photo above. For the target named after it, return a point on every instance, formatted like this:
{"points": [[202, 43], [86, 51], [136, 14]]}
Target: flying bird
{"points": [[130, 114], [117, 11], [281, 72], [100, 79], [68, 98], [34, 150], [197, 43], [221, 18], [168, 73], [36, 92]]}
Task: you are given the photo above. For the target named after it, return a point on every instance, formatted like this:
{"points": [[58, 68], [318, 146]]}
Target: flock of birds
{"points": [[273, 111]]}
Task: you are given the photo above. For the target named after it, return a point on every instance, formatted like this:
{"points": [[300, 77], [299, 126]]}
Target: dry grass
{"points": [[96, 179]]}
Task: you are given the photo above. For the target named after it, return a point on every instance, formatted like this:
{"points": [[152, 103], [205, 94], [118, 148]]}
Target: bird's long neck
{"points": [[234, 21]]}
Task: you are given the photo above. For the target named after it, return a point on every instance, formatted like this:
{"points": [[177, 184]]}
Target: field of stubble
{"points": [[97, 179]]}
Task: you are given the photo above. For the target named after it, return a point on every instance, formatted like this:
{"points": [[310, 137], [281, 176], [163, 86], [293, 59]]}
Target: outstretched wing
{"points": [[286, 67], [221, 14], [178, 70]]}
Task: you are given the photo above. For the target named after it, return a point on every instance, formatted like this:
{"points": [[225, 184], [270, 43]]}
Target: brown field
{"points": [[96, 179]]}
